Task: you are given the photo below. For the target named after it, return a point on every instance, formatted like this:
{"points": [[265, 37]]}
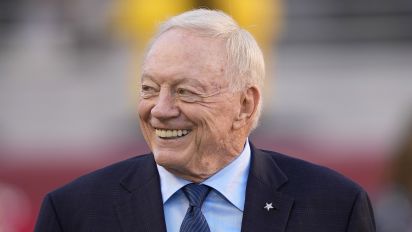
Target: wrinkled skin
{"points": [[183, 87]]}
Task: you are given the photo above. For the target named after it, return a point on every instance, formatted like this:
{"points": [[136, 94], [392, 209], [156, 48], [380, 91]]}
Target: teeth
{"points": [[171, 133]]}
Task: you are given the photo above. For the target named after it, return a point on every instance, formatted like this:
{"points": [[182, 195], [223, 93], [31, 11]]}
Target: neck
{"points": [[200, 170]]}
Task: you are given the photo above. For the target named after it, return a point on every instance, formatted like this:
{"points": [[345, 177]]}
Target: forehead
{"points": [[180, 53]]}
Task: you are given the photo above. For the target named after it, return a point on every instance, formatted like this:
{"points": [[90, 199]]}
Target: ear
{"points": [[249, 101]]}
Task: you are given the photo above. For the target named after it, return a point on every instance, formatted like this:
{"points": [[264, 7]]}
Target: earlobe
{"points": [[249, 102]]}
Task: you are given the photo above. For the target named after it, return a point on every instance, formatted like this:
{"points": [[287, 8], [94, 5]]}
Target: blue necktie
{"points": [[194, 220]]}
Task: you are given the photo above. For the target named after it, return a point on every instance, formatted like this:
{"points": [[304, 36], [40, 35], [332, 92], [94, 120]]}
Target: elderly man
{"points": [[200, 98]]}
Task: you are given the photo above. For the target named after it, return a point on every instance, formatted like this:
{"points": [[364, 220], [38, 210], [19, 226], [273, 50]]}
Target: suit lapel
{"points": [[140, 206], [265, 178]]}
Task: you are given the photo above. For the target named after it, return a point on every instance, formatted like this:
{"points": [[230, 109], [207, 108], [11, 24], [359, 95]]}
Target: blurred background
{"points": [[339, 91]]}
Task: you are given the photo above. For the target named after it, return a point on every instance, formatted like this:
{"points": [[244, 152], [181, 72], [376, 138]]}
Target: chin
{"points": [[166, 158]]}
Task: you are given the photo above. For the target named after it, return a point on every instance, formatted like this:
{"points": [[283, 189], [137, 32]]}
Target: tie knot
{"points": [[196, 193]]}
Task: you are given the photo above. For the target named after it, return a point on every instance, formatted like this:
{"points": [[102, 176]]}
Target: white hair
{"points": [[246, 66]]}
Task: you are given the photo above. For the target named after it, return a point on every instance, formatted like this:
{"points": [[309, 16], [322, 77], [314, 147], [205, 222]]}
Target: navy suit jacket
{"points": [[126, 197]]}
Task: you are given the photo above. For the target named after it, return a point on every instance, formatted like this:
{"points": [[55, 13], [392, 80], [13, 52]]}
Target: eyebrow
{"points": [[146, 76], [185, 80], [191, 81]]}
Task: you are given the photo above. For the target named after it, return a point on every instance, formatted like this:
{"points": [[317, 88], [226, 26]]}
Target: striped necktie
{"points": [[194, 220]]}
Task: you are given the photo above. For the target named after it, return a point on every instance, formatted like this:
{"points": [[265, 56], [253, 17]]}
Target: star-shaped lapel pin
{"points": [[268, 206]]}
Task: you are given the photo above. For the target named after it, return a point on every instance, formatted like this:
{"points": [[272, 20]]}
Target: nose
{"points": [[165, 106]]}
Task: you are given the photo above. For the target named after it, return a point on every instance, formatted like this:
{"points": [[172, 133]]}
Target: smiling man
{"points": [[194, 120], [200, 99]]}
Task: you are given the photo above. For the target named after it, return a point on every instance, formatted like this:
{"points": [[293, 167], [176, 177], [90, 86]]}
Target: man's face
{"points": [[186, 108]]}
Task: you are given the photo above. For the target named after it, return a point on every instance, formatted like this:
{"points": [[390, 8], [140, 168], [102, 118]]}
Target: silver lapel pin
{"points": [[268, 206]]}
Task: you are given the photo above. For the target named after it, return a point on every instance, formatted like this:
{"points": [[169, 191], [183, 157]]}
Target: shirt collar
{"points": [[169, 183], [230, 181]]}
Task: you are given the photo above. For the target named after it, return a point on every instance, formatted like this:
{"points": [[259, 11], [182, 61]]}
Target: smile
{"points": [[170, 134]]}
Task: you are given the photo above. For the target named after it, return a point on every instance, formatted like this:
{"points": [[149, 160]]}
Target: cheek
{"points": [[212, 122], [143, 109]]}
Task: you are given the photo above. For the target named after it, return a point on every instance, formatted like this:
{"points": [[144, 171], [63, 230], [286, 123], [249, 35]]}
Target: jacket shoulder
{"points": [[310, 177], [324, 199], [106, 178]]}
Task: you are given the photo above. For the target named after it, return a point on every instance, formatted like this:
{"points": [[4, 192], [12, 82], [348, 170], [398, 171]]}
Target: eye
{"points": [[181, 91], [146, 88], [187, 95], [148, 91]]}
